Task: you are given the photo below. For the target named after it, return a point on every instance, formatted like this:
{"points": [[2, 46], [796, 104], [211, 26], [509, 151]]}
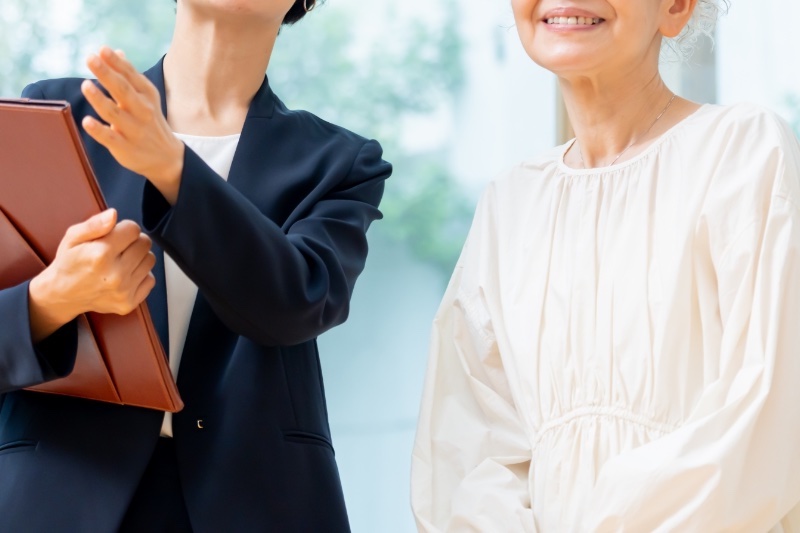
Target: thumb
{"points": [[93, 228]]}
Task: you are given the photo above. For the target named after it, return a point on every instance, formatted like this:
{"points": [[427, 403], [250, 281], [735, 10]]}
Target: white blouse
{"points": [[217, 153], [619, 348]]}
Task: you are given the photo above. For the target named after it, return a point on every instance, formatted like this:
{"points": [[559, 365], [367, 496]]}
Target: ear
{"points": [[676, 15]]}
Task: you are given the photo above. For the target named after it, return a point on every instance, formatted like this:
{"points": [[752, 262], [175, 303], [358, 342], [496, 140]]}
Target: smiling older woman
{"points": [[618, 347]]}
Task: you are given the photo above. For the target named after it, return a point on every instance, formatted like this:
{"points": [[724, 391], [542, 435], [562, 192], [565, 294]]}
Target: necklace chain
{"points": [[580, 151]]}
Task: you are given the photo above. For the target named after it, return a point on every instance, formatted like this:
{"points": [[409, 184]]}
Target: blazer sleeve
{"points": [[23, 363], [274, 285]]}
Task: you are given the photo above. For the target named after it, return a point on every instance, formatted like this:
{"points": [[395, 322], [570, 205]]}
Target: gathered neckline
{"points": [[619, 166]]}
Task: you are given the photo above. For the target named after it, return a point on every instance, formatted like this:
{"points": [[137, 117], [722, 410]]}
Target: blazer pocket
{"points": [[18, 446], [305, 437]]}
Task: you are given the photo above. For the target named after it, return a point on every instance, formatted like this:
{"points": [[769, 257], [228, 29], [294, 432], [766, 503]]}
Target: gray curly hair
{"points": [[702, 23]]}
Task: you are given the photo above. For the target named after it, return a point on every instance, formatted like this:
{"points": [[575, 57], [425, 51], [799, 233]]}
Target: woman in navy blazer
{"points": [[274, 251]]}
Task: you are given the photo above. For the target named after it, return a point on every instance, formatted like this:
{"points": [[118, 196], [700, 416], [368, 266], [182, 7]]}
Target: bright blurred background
{"points": [[447, 89]]}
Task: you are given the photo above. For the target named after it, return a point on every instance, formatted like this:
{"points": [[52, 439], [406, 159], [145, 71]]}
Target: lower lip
{"points": [[561, 28]]}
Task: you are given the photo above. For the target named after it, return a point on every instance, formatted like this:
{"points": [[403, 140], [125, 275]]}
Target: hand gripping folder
{"points": [[43, 191]]}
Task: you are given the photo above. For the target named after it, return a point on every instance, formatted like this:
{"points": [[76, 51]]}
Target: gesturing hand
{"points": [[135, 130], [100, 266]]}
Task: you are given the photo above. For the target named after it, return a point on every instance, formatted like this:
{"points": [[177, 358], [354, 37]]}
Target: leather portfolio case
{"points": [[46, 185]]}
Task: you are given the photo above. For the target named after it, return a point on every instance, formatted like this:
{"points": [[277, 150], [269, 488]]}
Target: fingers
{"points": [[130, 90], [131, 116], [92, 229], [112, 239], [117, 61], [130, 279], [103, 266], [138, 284], [143, 289], [118, 87], [135, 253], [121, 237], [143, 269], [105, 107], [103, 134]]}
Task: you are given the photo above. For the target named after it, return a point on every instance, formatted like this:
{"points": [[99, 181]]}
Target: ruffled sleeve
{"points": [[472, 455]]}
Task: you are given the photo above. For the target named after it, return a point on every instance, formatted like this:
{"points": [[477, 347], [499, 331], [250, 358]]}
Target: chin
{"points": [[254, 8], [564, 62]]}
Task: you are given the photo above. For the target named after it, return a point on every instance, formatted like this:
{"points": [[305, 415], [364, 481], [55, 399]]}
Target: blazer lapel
{"points": [[251, 143]]}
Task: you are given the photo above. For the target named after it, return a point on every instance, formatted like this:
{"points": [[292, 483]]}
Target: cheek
{"points": [[524, 16], [525, 21], [279, 6], [523, 10]]}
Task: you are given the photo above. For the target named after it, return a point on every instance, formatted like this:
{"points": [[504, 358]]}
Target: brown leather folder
{"points": [[47, 185]]}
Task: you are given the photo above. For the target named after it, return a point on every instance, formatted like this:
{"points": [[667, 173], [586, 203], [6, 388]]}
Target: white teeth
{"points": [[585, 21]]}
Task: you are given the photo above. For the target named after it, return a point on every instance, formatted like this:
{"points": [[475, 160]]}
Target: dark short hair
{"points": [[296, 12]]}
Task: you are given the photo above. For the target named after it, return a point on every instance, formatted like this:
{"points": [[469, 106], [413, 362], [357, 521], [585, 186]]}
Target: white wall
{"points": [[507, 113], [758, 53]]}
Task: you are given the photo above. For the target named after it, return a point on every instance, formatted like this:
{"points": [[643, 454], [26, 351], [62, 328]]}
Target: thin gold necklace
{"points": [[580, 152]]}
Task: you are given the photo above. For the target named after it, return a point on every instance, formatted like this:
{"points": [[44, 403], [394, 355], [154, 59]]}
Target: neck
{"points": [[213, 69], [613, 116]]}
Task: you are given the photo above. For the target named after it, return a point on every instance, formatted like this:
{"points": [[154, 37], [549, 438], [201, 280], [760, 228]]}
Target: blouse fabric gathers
{"points": [[619, 348]]}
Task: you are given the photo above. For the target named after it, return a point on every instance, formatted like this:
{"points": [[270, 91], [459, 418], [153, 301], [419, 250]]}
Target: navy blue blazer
{"points": [[275, 253]]}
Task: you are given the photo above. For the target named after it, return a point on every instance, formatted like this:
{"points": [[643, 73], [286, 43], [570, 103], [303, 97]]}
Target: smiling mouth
{"points": [[573, 21]]}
